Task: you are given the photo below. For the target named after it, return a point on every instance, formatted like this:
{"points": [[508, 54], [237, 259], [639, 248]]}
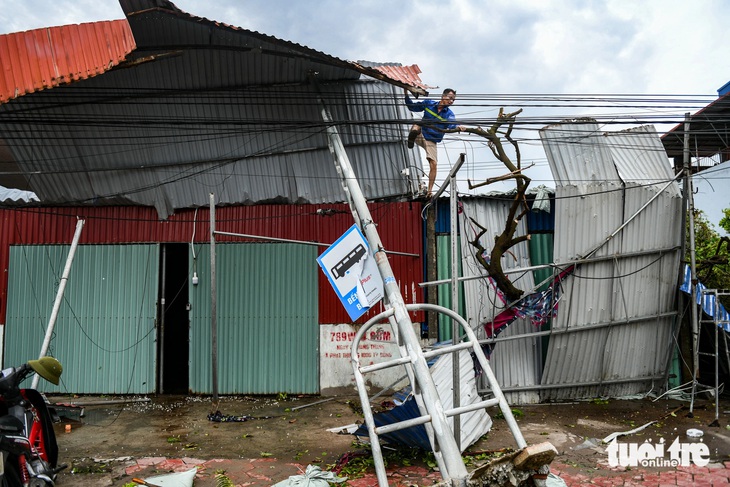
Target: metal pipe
{"points": [[692, 266], [59, 295], [303, 242], [163, 286], [540, 387], [455, 359], [213, 304], [520, 270]]}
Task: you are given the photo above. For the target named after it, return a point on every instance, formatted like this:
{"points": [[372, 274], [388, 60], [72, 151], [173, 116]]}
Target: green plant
{"points": [[221, 480], [300, 454], [281, 396], [357, 467], [517, 413]]}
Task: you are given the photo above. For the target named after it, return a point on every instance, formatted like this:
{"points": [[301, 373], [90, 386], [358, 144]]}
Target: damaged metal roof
{"points": [[201, 107], [708, 132], [617, 204], [43, 58]]}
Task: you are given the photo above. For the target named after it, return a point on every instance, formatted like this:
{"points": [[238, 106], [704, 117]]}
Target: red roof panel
{"points": [[43, 58], [405, 74]]}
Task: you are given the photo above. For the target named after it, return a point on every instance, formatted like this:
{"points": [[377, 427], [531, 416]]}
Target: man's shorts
{"points": [[429, 146]]}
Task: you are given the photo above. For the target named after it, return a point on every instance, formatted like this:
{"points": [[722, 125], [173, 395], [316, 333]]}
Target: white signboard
{"points": [[352, 272]]}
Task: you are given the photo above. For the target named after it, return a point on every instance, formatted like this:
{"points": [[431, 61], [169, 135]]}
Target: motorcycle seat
{"points": [[10, 425]]}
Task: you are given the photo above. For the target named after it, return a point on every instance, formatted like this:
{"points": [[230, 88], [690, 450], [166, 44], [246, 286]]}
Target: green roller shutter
{"points": [[105, 331], [267, 326]]}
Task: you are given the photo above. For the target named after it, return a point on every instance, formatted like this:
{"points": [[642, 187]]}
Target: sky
{"points": [[489, 50]]}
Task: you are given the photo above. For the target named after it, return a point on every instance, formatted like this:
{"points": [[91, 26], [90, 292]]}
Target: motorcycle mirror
{"points": [[47, 367]]}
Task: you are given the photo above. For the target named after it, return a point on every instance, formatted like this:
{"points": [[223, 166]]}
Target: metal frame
{"points": [[408, 357], [718, 324]]}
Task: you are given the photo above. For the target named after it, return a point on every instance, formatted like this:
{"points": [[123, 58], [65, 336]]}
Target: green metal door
{"points": [[105, 331], [267, 325]]}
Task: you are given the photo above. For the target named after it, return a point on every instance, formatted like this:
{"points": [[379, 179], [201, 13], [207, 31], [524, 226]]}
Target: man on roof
{"points": [[437, 117]]}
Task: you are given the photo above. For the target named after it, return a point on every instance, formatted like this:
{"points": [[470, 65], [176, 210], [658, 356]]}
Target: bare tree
{"points": [[499, 131]]}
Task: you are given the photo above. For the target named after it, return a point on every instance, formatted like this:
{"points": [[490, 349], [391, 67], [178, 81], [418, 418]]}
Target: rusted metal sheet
{"points": [[407, 74], [43, 58]]}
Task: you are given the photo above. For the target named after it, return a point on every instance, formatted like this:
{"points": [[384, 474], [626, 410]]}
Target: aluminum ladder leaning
{"points": [[407, 357]]}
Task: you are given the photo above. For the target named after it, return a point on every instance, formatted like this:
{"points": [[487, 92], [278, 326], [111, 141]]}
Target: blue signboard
{"points": [[353, 273]]}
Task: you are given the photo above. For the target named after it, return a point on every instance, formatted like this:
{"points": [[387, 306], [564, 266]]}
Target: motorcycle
{"points": [[27, 440]]}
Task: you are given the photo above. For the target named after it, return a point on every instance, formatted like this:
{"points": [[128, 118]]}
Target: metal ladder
{"points": [[407, 358], [713, 296], [442, 439]]}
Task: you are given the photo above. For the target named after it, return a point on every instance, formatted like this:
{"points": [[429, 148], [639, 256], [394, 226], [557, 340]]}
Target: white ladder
{"points": [[408, 356]]}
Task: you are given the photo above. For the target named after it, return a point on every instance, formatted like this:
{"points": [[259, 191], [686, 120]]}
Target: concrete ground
{"points": [[112, 444]]}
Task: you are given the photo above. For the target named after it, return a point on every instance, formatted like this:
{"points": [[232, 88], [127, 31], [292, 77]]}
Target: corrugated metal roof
{"points": [[200, 106], [407, 74], [576, 153], [218, 33], [603, 180], [708, 131], [16, 197], [641, 159], [43, 58]]}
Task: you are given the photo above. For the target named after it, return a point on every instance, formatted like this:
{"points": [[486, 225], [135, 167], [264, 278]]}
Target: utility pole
{"points": [[692, 267]]}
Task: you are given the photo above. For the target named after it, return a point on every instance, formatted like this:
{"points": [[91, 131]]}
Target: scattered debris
{"points": [[613, 436], [176, 479], [589, 443], [694, 433], [314, 476], [348, 429], [307, 405], [219, 417], [528, 466], [103, 402]]}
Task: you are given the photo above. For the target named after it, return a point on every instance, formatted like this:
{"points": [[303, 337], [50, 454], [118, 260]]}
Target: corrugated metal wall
{"points": [[399, 226], [268, 337], [443, 263], [299, 283], [516, 363], [105, 331], [616, 316]]}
